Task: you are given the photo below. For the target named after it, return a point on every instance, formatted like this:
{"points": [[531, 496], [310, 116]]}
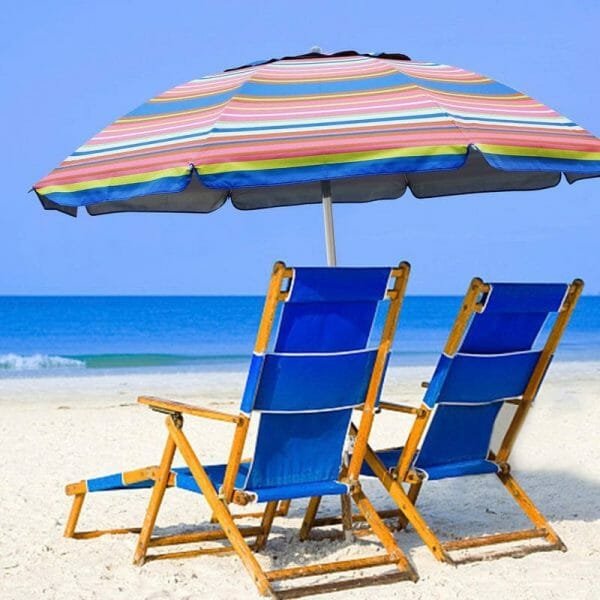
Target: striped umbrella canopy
{"points": [[317, 128]]}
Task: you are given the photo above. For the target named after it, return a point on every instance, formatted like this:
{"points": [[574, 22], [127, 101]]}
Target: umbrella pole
{"points": [[328, 222]]}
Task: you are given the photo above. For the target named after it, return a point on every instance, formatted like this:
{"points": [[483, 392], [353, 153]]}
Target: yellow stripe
{"points": [[539, 152], [114, 181], [327, 159], [323, 78], [387, 90]]}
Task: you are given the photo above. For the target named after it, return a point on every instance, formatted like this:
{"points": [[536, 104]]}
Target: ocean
{"points": [[42, 336]]}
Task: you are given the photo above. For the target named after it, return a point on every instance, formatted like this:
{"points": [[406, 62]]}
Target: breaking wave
{"points": [[17, 362]]}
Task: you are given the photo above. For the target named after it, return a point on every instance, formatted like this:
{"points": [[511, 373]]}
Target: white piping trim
{"points": [[387, 283], [513, 353], [347, 446], [245, 485], [258, 378], [539, 333], [273, 338], [423, 472], [305, 412], [503, 399], [487, 298], [338, 353], [562, 302], [293, 278]]}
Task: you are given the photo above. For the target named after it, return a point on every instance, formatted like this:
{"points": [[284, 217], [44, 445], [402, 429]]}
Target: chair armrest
{"points": [[170, 406], [411, 410]]}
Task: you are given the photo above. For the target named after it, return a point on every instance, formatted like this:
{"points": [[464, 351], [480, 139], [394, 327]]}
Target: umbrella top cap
{"points": [[316, 53]]}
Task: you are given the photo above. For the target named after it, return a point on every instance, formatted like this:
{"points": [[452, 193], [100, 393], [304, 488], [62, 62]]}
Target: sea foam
{"points": [[17, 362]]}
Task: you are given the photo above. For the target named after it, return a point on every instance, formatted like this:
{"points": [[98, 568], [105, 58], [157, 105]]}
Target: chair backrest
{"points": [[495, 353], [319, 369]]}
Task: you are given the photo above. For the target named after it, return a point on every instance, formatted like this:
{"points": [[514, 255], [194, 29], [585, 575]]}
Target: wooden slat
{"points": [[333, 567], [190, 553], [403, 408], [514, 552], [344, 584], [86, 535], [171, 406], [199, 536], [496, 538]]}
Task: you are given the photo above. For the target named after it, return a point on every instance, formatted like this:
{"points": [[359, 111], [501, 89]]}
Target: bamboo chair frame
{"points": [[219, 501], [403, 473]]}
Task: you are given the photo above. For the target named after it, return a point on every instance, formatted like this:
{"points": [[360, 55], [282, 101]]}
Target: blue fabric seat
{"points": [[304, 389], [494, 363], [391, 456]]}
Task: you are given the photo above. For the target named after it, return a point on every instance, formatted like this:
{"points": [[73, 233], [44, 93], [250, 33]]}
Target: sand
{"points": [[56, 430]]}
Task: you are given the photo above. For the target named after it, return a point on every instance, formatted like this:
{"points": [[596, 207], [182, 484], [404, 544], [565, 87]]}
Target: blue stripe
{"points": [[531, 163], [164, 185], [252, 88], [268, 177], [158, 108]]}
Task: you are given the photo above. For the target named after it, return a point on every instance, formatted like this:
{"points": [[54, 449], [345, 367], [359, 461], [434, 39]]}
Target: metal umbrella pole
{"points": [[328, 222]]}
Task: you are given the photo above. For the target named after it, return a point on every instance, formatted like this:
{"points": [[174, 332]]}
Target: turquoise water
{"points": [[51, 335]]}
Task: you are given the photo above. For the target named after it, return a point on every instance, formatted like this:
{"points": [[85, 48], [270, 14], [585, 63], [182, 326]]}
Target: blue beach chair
{"points": [[303, 393], [491, 358]]}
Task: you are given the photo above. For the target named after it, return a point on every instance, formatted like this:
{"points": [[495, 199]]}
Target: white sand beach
{"points": [[56, 430]]}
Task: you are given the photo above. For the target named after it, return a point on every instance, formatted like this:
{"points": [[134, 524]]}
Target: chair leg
{"points": [[220, 510], [284, 508], [74, 515], [309, 517], [404, 503], [346, 516], [382, 532], [266, 523], [158, 492], [413, 494], [530, 509]]}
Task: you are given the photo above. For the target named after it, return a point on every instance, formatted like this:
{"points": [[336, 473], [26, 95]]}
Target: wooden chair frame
{"points": [[220, 500], [405, 474]]}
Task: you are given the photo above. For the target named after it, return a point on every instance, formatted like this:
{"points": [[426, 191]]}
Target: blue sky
{"points": [[70, 68]]}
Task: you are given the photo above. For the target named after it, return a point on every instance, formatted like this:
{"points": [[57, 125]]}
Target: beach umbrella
{"points": [[318, 128]]}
